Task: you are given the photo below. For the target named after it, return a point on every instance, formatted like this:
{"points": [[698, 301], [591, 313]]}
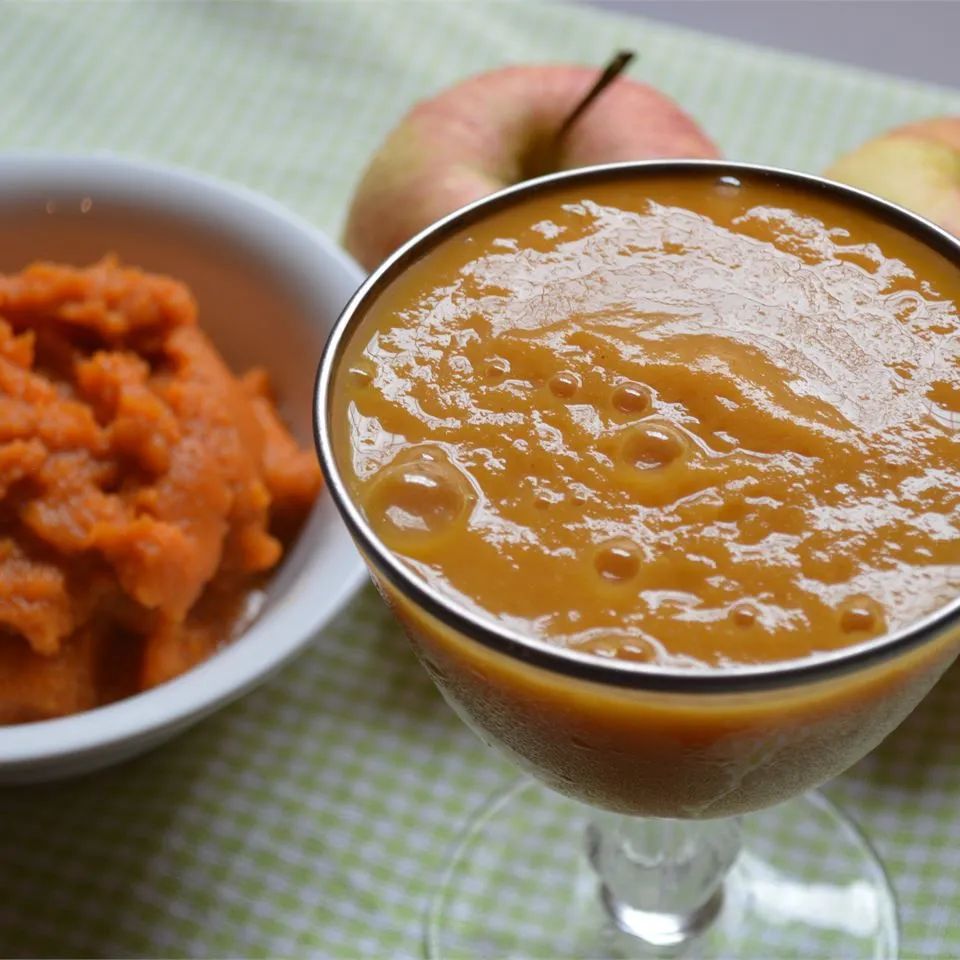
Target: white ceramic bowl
{"points": [[269, 288]]}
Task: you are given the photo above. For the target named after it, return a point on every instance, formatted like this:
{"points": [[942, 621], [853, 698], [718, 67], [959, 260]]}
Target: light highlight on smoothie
{"points": [[696, 422]]}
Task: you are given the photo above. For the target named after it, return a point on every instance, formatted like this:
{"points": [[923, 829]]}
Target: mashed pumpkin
{"points": [[144, 489]]}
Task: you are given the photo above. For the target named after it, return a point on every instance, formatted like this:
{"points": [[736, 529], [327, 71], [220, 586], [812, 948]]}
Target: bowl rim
{"points": [[553, 658], [267, 644]]}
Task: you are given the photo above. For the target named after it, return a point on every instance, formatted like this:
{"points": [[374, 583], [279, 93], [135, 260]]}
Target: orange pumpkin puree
{"points": [[144, 489]]}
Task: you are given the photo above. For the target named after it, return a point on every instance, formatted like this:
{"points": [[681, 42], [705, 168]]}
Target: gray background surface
{"points": [[919, 39]]}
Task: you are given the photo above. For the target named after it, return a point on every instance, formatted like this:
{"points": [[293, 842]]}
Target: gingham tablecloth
{"points": [[310, 819]]}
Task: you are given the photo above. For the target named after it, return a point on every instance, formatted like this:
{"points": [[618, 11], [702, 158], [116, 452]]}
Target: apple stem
{"points": [[610, 73]]}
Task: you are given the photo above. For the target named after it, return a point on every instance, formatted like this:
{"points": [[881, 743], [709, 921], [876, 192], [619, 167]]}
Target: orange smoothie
{"points": [[681, 420]]}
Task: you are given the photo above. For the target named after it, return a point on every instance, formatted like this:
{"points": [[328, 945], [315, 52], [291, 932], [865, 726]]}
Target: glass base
{"points": [[806, 884]]}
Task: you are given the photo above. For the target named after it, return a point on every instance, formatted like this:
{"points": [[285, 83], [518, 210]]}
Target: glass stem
{"points": [[661, 881]]}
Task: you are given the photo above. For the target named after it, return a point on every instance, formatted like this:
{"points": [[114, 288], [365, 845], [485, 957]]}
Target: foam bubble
{"points": [[743, 615], [496, 368], [861, 614], [617, 560], [415, 502], [361, 373], [564, 384], [727, 186], [652, 446], [632, 398]]}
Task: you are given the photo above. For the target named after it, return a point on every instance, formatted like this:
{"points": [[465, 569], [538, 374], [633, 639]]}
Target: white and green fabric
{"points": [[311, 818]]}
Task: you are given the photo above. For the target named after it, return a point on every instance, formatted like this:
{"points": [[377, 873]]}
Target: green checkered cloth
{"points": [[312, 818]]}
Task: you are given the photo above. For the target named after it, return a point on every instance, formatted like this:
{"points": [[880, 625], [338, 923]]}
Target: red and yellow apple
{"points": [[917, 166], [499, 128]]}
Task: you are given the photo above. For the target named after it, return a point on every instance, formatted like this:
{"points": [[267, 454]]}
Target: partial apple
{"points": [[917, 166], [496, 129]]}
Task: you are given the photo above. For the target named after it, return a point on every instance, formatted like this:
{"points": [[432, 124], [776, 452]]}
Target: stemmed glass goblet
{"points": [[691, 784]]}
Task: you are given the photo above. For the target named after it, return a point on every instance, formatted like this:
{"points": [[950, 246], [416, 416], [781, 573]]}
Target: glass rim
{"points": [[486, 630]]}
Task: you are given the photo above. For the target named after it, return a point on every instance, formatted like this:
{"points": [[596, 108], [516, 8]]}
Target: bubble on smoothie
{"points": [[564, 384], [601, 648], [861, 614], [640, 651], [727, 186], [496, 368], [361, 373], [653, 446], [743, 615], [632, 398], [415, 502], [617, 560]]}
